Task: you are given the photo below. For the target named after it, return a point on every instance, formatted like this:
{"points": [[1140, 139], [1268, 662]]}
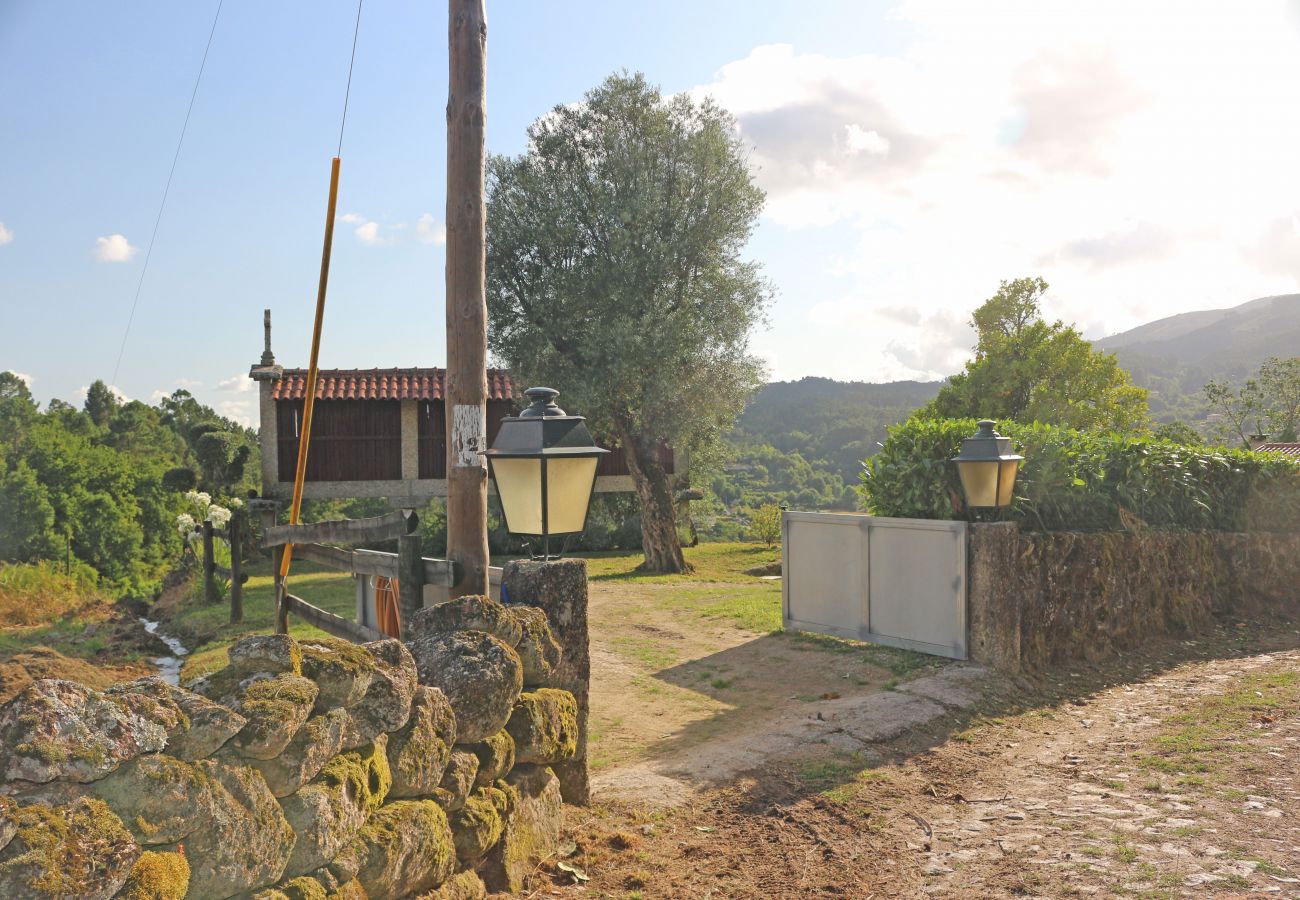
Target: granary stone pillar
{"points": [[265, 372], [559, 588], [994, 595], [410, 441]]}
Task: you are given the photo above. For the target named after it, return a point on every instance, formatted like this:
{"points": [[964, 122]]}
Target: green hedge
{"points": [[1086, 481]]}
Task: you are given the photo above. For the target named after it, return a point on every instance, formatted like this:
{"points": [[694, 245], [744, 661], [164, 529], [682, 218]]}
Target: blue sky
{"points": [[914, 153]]}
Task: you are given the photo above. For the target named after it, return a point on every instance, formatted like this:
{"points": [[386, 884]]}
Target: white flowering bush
{"points": [[189, 524]]}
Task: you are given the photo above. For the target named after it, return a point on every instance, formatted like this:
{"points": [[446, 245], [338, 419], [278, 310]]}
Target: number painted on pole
{"points": [[468, 428]]}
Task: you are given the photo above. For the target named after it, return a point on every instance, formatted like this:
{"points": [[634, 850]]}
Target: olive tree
{"points": [[615, 276]]}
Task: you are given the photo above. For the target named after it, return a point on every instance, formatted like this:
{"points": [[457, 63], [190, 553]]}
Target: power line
{"points": [[356, 30], [166, 190]]}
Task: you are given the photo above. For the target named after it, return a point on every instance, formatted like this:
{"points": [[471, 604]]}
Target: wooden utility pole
{"points": [[466, 383]]}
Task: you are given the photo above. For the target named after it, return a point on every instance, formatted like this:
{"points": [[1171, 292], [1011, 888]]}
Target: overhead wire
{"points": [[144, 269]]}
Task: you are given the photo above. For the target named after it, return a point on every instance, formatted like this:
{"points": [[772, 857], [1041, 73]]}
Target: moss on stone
{"points": [[332, 653], [477, 826], [303, 887], [157, 876], [544, 725], [43, 749], [62, 849], [363, 772]]}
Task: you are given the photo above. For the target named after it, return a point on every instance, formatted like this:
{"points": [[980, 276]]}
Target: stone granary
{"points": [[381, 432], [303, 769]]}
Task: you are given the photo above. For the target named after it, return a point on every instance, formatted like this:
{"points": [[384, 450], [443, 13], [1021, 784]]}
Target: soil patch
{"points": [[1160, 775]]}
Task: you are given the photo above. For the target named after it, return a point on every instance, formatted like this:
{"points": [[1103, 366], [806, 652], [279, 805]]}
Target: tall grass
{"points": [[36, 593]]}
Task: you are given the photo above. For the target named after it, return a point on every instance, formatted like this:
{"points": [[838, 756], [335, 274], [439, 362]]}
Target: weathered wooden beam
{"points": [[209, 565], [357, 562], [329, 623], [344, 531], [235, 536], [443, 572], [410, 578]]}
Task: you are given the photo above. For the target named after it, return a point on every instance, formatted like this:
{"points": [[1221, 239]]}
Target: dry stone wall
{"points": [[1042, 598], [303, 769]]}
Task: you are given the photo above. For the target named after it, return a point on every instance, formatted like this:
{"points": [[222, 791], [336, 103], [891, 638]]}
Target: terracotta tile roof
{"points": [[379, 384], [1285, 449]]}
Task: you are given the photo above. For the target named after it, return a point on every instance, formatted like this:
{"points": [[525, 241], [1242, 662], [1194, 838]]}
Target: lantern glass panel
{"points": [[519, 485], [1007, 481], [568, 492], [979, 480]]}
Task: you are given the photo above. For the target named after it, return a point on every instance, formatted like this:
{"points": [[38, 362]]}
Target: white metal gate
{"points": [[899, 582]]}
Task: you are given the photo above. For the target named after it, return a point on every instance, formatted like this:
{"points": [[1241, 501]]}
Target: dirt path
{"points": [[1170, 774], [684, 695]]}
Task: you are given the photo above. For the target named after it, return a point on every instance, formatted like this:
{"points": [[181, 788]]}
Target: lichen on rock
{"points": [[160, 798], [480, 674], [457, 781], [473, 612], [538, 650], [343, 670], [544, 725], [275, 709], [496, 756], [61, 730], [246, 842], [461, 886], [197, 728], [273, 654], [81, 850], [157, 876], [406, 848], [418, 753], [326, 814], [532, 828], [315, 744], [386, 705]]}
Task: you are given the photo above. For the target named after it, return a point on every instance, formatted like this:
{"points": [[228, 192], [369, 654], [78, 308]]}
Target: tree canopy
{"points": [[615, 276], [1268, 404], [94, 483], [1028, 370]]}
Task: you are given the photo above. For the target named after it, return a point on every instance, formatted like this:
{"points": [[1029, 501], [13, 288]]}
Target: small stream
{"points": [[169, 667]]}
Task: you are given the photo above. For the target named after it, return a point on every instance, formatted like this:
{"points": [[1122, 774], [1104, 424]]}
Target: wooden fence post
{"points": [[281, 609], [410, 576], [209, 565], [234, 530]]}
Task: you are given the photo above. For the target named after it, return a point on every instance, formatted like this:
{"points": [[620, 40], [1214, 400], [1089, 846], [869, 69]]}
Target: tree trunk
{"points": [[659, 540]]}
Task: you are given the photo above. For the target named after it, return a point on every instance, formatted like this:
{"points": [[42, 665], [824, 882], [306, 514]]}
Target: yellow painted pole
{"points": [[309, 401]]}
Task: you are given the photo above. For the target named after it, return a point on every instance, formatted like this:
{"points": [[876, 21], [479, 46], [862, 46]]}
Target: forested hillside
{"points": [[801, 443], [98, 489], [1175, 357]]}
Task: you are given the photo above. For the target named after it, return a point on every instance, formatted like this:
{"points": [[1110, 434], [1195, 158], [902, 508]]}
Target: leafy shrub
{"points": [[765, 523], [1088, 481]]}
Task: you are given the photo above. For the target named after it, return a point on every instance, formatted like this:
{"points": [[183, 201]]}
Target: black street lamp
{"points": [[543, 464], [987, 468]]}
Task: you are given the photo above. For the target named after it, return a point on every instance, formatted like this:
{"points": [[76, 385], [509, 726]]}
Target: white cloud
{"points": [[114, 248], [1140, 157], [368, 233], [23, 377], [427, 231], [239, 384], [6, 236], [352, 218], [240, 411]]}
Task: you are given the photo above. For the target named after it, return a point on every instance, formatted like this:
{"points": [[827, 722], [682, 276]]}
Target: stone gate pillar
{"points": [[559, 589]]}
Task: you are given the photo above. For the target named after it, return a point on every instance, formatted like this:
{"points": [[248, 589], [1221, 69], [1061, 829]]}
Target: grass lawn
{"points": [[748, 602]]}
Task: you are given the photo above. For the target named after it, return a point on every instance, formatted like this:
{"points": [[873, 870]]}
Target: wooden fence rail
{"points": [[408, 566]]}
